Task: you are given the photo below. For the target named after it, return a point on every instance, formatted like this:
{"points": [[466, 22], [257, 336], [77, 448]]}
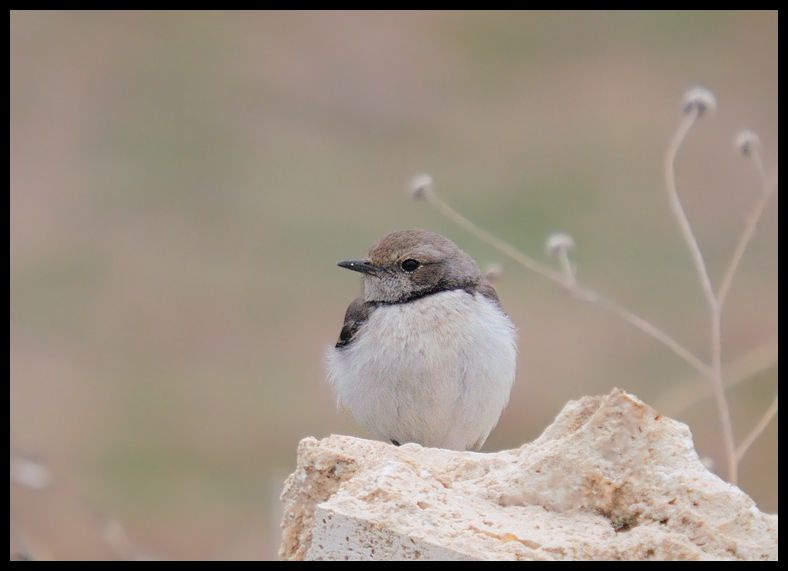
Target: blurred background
{"points": [[182, 185]]}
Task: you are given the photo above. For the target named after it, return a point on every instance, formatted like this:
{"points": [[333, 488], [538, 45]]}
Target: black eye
{"points": [[410, 265]]}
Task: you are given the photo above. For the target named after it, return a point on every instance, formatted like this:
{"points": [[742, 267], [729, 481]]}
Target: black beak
{"points": [[362, 266]]}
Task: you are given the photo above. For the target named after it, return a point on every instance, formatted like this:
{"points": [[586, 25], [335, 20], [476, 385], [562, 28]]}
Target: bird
{"points": [[426, 353]]}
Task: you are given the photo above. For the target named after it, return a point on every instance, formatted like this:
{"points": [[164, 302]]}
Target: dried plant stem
{"points": [[721, 397], [685, 125], [581, 293], [649, 329], [498, 244], [687, 122], [749, 228], [744, 367], [570, 278], [757, 430]]}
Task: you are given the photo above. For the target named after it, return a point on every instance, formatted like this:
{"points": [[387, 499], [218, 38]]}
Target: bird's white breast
{"points": [[437, 370]]}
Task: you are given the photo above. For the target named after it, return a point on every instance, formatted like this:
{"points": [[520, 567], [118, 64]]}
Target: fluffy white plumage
{"points": [[437, 370]]}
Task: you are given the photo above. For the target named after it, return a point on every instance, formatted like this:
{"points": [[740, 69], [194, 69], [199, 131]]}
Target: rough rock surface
{"points": [[609, 479]]}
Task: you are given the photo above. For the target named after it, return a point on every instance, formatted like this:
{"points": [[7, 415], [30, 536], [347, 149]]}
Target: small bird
{"points": [[426, 354]]}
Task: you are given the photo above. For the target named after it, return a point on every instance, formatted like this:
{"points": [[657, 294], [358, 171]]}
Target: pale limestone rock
{"points": [[609, 479]]}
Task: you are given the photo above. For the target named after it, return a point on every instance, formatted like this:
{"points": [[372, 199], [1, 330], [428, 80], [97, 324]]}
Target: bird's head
{"points": [[412, 263]]}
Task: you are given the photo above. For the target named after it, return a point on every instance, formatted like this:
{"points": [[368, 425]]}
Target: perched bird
{"points": [[426, 354]]}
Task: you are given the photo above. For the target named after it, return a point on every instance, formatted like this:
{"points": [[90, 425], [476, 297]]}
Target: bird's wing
{"points": [[357, 313], [487, 290]]}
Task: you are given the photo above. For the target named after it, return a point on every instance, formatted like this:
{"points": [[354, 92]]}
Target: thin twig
{"points": [[721, 397], [567, 268], [749, 228], [648, 328], [689, 119], [686, 123], [691, 391], [498, 244], [580, 292], [757, 430]]}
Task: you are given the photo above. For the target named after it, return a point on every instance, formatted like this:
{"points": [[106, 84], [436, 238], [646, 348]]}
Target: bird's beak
{"points": [[363, 266]]}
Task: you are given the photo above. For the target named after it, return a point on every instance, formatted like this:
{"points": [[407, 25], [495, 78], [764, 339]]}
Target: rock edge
{"points": [[610, 479]]}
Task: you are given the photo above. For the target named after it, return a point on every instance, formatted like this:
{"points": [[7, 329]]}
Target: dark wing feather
{"points": [[356, 315], [487, 290]]}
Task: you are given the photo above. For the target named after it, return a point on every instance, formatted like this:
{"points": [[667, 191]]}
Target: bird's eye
{"points": [[409, 265]]}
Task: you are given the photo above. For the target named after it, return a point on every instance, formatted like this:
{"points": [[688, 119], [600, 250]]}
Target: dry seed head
{"points": [[493, 272], [747, 142], [698, 98], [30, 473], [420, 185], [558, 241]]}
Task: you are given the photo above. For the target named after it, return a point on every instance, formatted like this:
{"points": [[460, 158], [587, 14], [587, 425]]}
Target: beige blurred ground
{"points": [[182, 185]]}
